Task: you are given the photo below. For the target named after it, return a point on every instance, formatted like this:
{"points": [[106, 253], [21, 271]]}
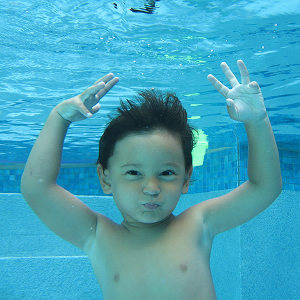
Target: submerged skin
{"points": [[152, 254]]}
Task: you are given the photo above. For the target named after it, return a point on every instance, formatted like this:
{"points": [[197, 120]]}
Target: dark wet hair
{"points": [[152, 110]]}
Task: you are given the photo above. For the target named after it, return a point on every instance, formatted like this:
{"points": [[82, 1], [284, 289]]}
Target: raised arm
{"points": [[245, 103], [62, 212]]}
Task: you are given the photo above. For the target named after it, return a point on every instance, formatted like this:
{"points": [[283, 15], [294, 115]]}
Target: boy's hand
{"points": [[245, 101], [86, 104]]}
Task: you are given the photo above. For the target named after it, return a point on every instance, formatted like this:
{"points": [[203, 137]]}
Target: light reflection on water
{"points": [[53, 51]]}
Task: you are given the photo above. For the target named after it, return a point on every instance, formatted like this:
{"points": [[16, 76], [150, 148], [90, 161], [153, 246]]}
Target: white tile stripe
{"points": [[41, 257]]}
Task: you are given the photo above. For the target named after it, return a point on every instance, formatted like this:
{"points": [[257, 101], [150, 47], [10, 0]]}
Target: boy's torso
{"points": [[172, 263]]}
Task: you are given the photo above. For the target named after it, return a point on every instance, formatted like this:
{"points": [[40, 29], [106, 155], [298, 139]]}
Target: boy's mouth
{"points": [[149, 206]]}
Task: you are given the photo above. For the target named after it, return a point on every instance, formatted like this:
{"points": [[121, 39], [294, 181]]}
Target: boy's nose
{"points": [[151, 188]]}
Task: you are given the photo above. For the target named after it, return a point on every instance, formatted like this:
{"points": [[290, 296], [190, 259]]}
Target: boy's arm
{"points": [[245, 103], [62, 212]]}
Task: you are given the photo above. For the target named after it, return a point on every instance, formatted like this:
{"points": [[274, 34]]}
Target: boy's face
{"points": [[146, 176]]}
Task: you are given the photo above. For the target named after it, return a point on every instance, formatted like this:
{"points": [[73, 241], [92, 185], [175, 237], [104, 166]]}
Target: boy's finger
{"points": [[229, 75], [96, 108], [107, 87], [83, 110], [254, 85], [91, 91], [105, 78], [221, 88], [244, 72], [232, 111]]}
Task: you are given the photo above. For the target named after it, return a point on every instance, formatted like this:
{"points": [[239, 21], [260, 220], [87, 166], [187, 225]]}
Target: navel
{"points": [[116, 277]]}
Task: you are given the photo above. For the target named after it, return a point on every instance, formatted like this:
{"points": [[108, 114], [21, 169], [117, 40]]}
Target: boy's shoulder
{"points": [[192, 216], [106, 224], [190, 224]]}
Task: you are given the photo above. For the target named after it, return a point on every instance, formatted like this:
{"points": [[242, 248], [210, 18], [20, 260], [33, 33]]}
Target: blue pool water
{"points": [[53, 50]]}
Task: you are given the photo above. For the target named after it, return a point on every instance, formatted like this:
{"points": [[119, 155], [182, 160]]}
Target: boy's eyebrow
{"points": [[130, 165], [171, 164], [139, 165]]}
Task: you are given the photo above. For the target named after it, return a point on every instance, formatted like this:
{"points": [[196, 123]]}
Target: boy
{"points": [[152, 254]]}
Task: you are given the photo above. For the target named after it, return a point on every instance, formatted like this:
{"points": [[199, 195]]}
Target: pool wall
{"points": [[218, 172], [224, 167], [258, 260]]}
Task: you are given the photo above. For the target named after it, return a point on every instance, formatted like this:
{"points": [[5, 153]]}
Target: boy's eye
{"points": [[133, 172], [167, 173]]}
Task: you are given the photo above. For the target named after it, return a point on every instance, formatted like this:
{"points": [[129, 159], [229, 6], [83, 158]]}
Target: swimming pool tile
{"points": [[219, 168]]}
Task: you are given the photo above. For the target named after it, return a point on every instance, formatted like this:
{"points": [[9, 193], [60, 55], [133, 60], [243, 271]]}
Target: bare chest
{"points": [[158, 269]]}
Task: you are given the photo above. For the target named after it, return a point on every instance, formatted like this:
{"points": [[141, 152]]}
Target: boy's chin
{"points": [[146, 222]]}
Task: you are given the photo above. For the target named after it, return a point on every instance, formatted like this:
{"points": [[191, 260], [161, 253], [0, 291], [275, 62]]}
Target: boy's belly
{"points": [[155, 276]]}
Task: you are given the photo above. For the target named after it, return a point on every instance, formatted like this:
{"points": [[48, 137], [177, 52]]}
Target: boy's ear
{"points": [[104, 179], [186, 183]]}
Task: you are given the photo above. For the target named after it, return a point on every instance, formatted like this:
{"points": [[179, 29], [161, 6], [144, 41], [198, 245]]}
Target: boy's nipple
{"points": [[116, 277], [183, 267]]}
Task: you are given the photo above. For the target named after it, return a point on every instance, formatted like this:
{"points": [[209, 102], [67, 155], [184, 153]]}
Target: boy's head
{"points": [[152, 111]]}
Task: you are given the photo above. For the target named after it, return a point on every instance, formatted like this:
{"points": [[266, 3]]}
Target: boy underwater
{"points": [[152, 254]]}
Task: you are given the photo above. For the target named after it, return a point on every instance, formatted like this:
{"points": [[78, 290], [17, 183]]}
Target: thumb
{"points": [[96, 108], [231, 108], [83, 110]]}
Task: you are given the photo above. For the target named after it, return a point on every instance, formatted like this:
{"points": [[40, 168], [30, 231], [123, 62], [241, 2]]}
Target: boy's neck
{"points": [[142, 228]]}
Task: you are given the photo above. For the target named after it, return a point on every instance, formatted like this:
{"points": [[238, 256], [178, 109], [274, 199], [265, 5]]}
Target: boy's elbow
{"points": [[270, 190], [279, 187], [23, 183], [275, 189], [29, 188], [25, 186]]}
